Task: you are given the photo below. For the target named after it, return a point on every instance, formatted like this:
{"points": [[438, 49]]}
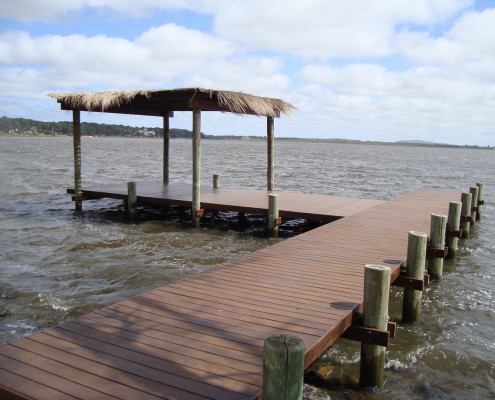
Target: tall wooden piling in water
{"points": [[76, 138], [465, 214], [196, 158], [453, 225], [283, 368], [481, 187], [375, 303], [437, 244], [415, 268]]}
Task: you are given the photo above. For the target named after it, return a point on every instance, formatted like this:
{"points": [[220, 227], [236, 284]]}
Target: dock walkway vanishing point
{"points": [[202, 336]]}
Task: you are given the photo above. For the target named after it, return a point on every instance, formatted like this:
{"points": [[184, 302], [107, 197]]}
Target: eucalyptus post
{"points": [[270, 137], [437, 241], [273, 212], [480, 200], [196, 157], [465, 214], [166, 147], [131, 199], [415, 268], [283, 368], [453, 225], [76, 138], [375, 303]]}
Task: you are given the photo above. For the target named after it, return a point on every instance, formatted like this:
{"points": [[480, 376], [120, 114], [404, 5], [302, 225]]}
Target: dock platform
{"points": [[202, 337]]}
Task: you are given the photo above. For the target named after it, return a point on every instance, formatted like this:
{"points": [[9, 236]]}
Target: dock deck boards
{"points": [[292, 205], [202, 336]]}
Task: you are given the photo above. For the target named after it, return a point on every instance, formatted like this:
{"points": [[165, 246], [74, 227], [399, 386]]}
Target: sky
{"points": [[384, 70]]}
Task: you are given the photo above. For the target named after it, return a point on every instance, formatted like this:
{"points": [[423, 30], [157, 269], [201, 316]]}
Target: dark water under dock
{"points": [[56, 264]]}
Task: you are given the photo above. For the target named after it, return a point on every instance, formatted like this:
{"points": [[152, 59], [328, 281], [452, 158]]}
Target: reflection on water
{"points": [[57, 264]]}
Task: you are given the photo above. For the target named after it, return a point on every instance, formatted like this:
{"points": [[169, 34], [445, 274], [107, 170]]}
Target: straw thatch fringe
{"points": [[236, 102]]}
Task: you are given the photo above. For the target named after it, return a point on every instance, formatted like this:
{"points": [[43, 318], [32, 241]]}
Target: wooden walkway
{"points": [[292, 205], [202, 337]]}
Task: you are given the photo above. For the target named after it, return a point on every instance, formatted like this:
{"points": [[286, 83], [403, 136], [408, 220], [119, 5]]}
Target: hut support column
{"points": [[76, 136], [196, 158], [166, 140], [270, 176]]}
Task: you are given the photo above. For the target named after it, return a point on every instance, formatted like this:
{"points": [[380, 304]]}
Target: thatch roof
{"points": [[160, 102]]}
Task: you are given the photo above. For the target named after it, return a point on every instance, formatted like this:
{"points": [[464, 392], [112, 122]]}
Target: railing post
{"points": [[375, 303], [415, 268], [283, 368]]}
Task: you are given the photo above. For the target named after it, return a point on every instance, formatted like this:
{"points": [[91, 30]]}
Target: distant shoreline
{"points": [[21, 127]]}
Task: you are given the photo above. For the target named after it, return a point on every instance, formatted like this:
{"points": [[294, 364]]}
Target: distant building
{"points": [[146, 132]]}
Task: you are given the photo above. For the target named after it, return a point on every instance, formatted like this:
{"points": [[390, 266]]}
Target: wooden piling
{"points": [[131, 199], [273, 212], [375, 303], [453, 225], [270, 137], [76, 138], [437, 241], [465, 214], [196, 158], [166, 147], [415, 268], [480, 200], [283, 368], [474, 203], [216, 181]]}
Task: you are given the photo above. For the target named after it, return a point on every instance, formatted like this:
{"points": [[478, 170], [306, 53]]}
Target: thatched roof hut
{"points": [[163, 103], [159, 102]]}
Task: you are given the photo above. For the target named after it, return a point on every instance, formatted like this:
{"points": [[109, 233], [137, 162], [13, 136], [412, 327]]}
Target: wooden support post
{"points": [[415, 268], [166, 147], [437, 241], [273, 214], [131, 199], [196, 158], [480, 200], [216, 181], [283, 368], [270, 137], [375, 303], [76, 137], [465, 214], [474, 203], [453, 225]]}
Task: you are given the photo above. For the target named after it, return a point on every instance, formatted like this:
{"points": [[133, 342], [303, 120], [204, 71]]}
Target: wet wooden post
{"points": [[216, 181], [131, 199], [76, 137], [196, 158], [453, 225], [474, 203], [465, 214], [437, 241], [480, 199], [415, 268], [166, 147], [270, 137], [283, 367], [375, 303], [273, 211]]}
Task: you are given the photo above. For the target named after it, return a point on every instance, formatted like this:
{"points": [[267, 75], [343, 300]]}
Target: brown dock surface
{"points": [[202, 337], [317, 207]]}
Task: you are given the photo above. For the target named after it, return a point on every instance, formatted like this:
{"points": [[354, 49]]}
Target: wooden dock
{"points": [[202, 337]]}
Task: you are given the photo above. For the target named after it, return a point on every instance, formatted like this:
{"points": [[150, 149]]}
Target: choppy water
{"points": [[56, 264]]}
